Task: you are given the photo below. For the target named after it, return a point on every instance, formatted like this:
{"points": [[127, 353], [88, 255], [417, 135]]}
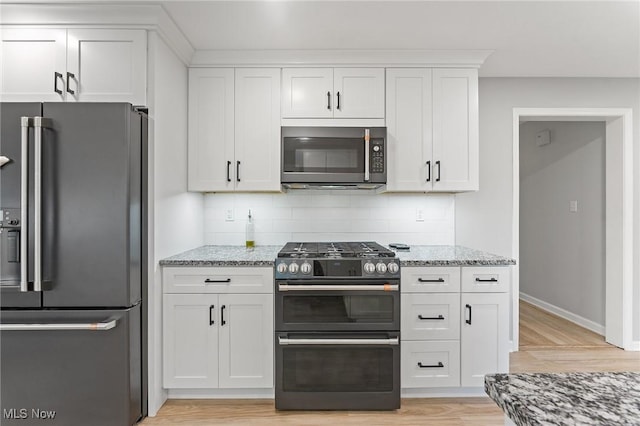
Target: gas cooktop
{"points": [[359, 249]]}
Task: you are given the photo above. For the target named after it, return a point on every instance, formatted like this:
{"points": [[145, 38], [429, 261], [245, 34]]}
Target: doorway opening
{"points": [[617, 212]]}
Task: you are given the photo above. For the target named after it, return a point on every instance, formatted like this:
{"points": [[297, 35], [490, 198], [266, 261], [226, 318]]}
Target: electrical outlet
{"points": [[419, 215], [573, 206], [228, 216]]}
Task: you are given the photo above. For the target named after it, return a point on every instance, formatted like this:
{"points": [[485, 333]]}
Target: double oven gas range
{"points": [[337, 327]]}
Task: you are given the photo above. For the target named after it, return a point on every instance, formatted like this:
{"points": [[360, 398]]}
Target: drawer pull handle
{"points": [[439, 280], [228, 280], [490, 280], [439, 317], [468, 321], [438, 365], [211, 321]]}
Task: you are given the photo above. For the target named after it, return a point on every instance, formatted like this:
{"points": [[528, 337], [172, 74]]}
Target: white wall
{"points": [[562, 253], [175, 214], [484, 218], [331, 215]]}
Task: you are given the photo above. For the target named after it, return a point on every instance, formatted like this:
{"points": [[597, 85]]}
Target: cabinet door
{"points": [[409, 130], [107, 65], [358, 92], [246, 341], [484, 337], [190, 340], [211, 157], [30, 59], [455, 129], [257, 129], [307, 93]]}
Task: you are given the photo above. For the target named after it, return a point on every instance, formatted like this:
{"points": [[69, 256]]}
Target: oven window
{"points": [[337, 309], [337, 369], [323, 155]]}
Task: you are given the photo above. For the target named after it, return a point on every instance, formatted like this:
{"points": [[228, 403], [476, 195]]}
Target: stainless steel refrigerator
{"points": [[72, 269]]}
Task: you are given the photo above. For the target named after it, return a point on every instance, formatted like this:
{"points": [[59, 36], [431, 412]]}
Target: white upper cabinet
{"points": [[257, 129], [358, 92], [455, 129], [30, 60], [333, 93], [107, 65], [74, 65], [234, 129], [211, 124], [432, 129], [409, 140], [307, 92]]}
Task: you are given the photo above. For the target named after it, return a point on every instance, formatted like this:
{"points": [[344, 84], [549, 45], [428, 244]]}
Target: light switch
{"points": [[573, 206], [228, 216]]}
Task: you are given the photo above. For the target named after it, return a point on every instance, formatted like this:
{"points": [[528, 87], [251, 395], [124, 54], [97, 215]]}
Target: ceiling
{"points": [[541, 38], [529, 38]]}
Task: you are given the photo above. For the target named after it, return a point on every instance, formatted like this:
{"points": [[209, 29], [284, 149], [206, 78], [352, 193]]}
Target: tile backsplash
{"points": [[331, 216]]}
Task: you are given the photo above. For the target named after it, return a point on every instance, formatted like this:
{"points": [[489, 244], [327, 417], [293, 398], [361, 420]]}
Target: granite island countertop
{"points": [[567, 398], [211, 255]]}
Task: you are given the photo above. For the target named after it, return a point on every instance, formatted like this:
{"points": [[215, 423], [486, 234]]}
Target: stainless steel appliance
{"points": [[72, 249], [334, 157], [337, 327]]}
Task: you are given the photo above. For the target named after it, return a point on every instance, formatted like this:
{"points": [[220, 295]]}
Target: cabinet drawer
{"points": [[431, 316], [430, 279], [486, 279], [430, 364], [218, 280]]}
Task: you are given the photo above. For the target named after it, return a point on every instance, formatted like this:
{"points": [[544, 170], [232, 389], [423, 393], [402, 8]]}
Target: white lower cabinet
{"points": [[484, 337], [428, 364], [216, 341], [449, 338]]}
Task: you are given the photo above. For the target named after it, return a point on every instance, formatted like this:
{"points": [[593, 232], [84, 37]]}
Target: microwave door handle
{"points": [[366, 155], [24, 203]]}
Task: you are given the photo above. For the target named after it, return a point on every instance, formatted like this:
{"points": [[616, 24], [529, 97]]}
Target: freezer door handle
{"points": [[91, 326], [25, 123]]}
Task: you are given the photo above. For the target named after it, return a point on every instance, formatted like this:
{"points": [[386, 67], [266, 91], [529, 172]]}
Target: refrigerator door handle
{"points": [[39, 123], [91, 326], [25, 123]]}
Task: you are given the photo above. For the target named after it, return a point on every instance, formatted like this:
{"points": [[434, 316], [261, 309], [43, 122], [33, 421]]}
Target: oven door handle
{"points": [[322, 287], [283, 341]]}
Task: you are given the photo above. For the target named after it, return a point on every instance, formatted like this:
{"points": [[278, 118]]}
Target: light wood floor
{"points": [[547, 344]]}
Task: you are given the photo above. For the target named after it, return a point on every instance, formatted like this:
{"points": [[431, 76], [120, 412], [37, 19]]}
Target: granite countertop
{"points": [[224, 256], [450, 256], [265, 255], [567, 398]]}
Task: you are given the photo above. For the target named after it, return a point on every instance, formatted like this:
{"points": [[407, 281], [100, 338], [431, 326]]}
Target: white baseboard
{"points": [[563, 313], [635, 346]]}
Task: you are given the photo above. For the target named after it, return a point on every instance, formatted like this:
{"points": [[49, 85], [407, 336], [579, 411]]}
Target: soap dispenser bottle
{"points": [[249, 234]]}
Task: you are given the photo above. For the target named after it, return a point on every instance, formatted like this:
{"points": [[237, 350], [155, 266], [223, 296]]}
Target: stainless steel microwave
{"points": [[334, 157]]}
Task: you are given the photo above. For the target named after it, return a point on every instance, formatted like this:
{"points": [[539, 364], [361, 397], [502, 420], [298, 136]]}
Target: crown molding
{"points": [[149, 17], [344, 57]]}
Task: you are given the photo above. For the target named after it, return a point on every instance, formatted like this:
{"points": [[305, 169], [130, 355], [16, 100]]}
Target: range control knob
{"points": [[305, 268], [393, 268], [282, 268], [293, 268], [369, 268], [381, 268]]}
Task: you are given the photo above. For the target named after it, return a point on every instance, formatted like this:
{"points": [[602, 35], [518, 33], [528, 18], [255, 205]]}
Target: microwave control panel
{"points": [[377, 156]]}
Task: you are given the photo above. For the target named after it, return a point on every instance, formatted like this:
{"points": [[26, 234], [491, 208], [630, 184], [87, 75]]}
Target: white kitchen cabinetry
{"points": [[484, 336], [217, 340], [89, 65], [234, 129], [455, 130], [432, 129], [449, 338], [333, 93], [430, 327]]}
